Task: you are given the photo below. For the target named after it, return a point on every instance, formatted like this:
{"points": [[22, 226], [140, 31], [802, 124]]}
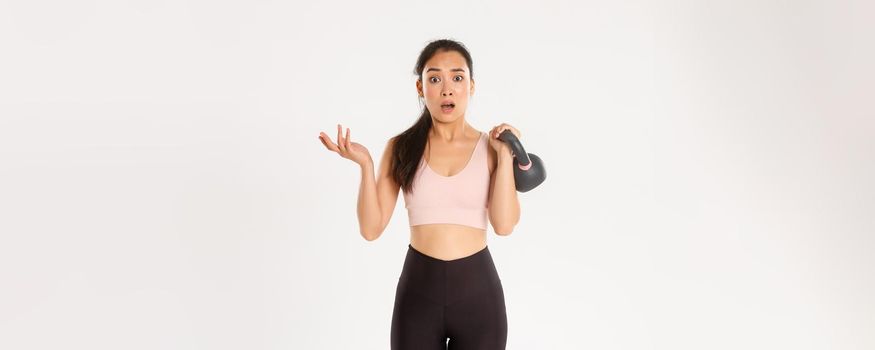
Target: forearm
{"points": [[368, 210], [504, 208]]}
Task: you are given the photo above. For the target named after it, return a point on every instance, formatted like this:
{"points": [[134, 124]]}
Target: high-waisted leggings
{"points": [[460, 299]]}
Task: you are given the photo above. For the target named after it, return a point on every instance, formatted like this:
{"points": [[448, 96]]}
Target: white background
{"points": [[709, 163]]}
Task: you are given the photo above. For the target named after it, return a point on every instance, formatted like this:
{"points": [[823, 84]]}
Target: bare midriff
{"points": [[447, 241]]}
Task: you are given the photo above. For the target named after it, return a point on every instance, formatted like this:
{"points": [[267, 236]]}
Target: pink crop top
{"points": [[458, 199]]}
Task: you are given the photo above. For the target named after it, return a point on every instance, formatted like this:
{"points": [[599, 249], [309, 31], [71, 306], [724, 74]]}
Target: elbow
{"points": [[370, 235], [503, 221], [503, 230]]}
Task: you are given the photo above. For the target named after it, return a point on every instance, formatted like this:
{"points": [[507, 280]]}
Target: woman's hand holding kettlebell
{"points": [[346, 148], [498, 145]]}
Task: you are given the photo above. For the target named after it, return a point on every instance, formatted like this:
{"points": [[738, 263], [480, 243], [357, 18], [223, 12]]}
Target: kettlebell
{"points": [[528, 169]]}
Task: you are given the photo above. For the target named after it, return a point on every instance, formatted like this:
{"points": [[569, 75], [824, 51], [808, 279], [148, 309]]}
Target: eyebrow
{"points": [[452, 70]]}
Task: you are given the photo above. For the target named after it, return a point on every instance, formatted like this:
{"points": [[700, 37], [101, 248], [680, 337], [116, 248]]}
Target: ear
{"points": [[419, 87], [472, 86]]}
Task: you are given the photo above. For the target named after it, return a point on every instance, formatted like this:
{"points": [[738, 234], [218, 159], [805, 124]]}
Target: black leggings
{"points": [[460, 299]]}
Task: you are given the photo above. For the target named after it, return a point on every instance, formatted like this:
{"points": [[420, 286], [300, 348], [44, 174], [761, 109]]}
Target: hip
{"points": [[447, 241]]}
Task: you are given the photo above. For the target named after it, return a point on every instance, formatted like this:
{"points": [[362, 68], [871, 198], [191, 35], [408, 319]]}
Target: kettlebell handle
{"points": [[529, 171], [517, 147]]}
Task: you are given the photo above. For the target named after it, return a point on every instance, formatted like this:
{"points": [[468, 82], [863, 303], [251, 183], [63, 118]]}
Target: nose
{"points": [[446, 92]]}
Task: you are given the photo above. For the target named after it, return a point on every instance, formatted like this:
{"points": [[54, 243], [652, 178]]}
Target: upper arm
{"points": [[387, 188], [492, 162]]}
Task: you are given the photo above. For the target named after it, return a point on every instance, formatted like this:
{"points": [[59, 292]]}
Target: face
{"points": [[446, 79]]}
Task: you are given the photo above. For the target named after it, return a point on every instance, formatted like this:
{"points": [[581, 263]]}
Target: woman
{"points": [[453, 177]]}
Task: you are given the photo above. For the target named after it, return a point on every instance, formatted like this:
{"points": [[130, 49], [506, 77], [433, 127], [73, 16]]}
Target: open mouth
{"points": [[447, 108]]}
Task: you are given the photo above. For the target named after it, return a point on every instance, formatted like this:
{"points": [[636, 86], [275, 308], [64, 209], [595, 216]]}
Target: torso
{"points": [[450, 241]]}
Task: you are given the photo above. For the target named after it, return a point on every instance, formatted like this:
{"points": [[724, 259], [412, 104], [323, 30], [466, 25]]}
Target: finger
{"points": [[346, 140], [506, 126], [348, 145], [327, 142], [499, 129], [340, 143]]}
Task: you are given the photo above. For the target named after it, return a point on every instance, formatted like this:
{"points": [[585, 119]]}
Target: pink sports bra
{"points": [[457, 199]]}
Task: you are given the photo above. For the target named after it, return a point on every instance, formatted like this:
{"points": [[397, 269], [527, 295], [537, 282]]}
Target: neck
{"points": [[449, 131]]}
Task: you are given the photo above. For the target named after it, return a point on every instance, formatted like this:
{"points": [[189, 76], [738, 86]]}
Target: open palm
{"points": [[346, 148]]}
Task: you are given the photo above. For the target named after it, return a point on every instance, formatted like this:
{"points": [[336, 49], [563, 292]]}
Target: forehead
{"points": [[445, 61]]}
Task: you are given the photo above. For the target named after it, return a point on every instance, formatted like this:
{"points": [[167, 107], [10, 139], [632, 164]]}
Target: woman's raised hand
{"points": [[346, 148]]}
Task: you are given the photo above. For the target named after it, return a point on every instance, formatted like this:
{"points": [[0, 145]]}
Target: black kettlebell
{"points": [[528, 169]]}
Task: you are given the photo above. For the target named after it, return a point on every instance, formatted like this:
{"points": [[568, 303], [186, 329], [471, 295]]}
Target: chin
{"points": [[447, 118]]}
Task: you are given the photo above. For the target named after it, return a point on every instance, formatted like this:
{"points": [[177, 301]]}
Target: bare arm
{"points": [[377, 199], [504, 206]]}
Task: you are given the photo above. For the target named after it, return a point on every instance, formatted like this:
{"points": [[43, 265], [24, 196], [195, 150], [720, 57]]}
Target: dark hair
{"points": [[410, 144]]}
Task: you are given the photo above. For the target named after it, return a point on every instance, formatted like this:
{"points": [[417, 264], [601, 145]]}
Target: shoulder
{"points": [[390, 144], [388, 150]]}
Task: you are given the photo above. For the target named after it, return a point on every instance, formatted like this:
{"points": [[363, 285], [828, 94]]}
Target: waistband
{"points": [[476, 256], [447, 281]]}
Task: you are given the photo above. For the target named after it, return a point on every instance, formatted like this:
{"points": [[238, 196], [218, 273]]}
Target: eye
{"points": [[433, 79], [460, 78]]}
